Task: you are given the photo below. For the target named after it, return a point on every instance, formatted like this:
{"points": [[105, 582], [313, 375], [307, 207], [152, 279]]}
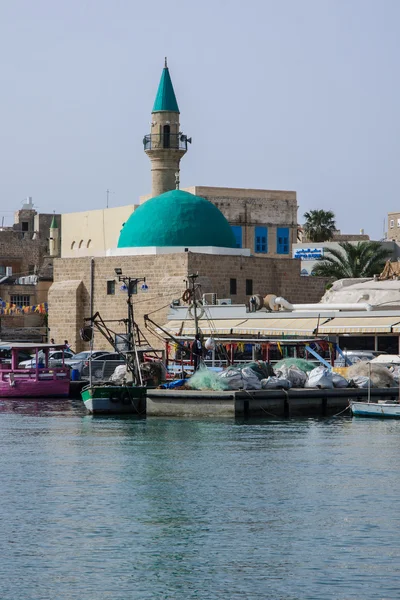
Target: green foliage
{"points": [[364, 259], [320, 225]]}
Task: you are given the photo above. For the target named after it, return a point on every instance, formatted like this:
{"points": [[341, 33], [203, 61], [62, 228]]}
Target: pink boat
{"points": [[39, 381]]}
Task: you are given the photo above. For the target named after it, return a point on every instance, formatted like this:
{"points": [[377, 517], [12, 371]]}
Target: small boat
{"points": [[382, 409], [103, 399], [39, 381], [129, 395]]}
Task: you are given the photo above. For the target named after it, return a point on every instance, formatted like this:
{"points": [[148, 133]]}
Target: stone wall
{"points": [[69, 296]]}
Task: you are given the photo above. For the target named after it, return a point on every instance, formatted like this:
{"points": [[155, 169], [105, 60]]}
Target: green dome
{"points": [[176, 218]]}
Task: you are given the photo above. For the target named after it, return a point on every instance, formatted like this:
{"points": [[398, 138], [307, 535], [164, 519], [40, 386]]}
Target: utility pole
{"points": [[193, 288]]}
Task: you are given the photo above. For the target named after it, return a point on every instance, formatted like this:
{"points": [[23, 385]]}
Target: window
{"points": [[25, 226], [232, 287], [261, 240], [249, 287], [80, 244], [2, 271], [72, 245], [398, 222], [111, 287], [31, 269], [20, 300], [167, 136], [237, 232], [88, 244], [282, 240], [391, 223]]}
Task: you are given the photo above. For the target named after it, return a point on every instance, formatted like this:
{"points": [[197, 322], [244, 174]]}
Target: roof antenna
{"points": [[165, 63]]}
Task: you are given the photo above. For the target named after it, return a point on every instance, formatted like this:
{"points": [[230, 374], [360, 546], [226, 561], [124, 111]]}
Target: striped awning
{"points": [[219, 326], [367, 324], [278, 327], [250, 327]]}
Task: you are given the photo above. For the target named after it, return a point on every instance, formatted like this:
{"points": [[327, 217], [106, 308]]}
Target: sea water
{"points": [[120, 508]]}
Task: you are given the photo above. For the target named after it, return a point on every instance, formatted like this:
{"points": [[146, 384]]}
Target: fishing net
{"points": [[380, 376], [261, 369], [204, 379], [300, 363]]}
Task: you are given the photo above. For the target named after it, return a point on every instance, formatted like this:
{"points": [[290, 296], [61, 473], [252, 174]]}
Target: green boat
{"points": [[103, 399], [127, 394]]}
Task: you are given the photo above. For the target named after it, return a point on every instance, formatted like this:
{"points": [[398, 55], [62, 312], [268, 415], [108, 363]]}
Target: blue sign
{"points": [[308, 253]]}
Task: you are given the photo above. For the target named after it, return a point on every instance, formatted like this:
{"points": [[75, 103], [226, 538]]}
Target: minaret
{"points": [[166, 144], [54, 239]]}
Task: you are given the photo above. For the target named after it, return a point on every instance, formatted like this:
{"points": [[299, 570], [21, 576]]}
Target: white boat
{"points": [[387, 410]]}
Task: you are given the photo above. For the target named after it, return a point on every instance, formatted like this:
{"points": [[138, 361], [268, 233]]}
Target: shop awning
{"points": [[250, 327], [219, 326], [367, 324], [278, 327]]}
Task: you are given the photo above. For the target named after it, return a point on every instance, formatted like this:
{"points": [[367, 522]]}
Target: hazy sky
{"points": [[290, 94]]}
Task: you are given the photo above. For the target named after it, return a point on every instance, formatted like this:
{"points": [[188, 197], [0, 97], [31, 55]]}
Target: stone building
{"points": [[239, 241], [393, 232], [27, 249]]}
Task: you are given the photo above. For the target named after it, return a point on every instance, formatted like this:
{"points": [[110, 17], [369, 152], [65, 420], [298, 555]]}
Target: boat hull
{"points": [[28, 388], [376, 409], [114, 400]]}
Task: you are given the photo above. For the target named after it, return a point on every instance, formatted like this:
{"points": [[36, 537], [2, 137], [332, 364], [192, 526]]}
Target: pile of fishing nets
{"points": [[205, 379], [300, 363], [379, 374]]}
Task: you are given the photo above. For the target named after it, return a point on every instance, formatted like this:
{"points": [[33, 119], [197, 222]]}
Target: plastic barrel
{"points": [[75, 375]]}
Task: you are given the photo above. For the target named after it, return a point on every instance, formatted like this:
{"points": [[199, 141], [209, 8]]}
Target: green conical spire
{"points": [[54, 223], [165, 99]]}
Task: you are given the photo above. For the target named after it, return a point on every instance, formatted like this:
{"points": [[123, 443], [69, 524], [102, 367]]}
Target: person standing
{"points": [[197, 352]]}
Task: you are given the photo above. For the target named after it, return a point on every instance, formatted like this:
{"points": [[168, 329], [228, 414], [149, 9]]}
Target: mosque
{"points": [[238, 240]]}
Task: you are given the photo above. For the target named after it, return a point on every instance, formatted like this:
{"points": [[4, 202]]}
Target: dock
{"points": [[259, 403]]}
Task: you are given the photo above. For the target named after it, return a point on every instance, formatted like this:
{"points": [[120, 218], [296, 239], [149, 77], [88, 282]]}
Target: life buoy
{"points": [[187, 295]]}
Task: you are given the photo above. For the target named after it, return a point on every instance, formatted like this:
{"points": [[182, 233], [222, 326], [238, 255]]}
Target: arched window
{"points": [[166, 136], [72, 245], [88, 244], [80, 244]]}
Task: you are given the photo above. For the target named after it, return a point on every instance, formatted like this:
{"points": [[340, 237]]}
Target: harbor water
{"points": [[122, 508]]}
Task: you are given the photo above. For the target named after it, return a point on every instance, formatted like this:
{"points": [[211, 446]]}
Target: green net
{"points": [[303, 365], [204, 379], [261, 369]]}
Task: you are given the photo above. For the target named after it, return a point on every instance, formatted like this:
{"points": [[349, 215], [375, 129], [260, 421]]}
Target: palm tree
{"points": [[364, 259], [320, 225]]}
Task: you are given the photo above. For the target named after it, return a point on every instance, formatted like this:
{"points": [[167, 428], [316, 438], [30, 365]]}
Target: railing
{"points": [[157, 141]]}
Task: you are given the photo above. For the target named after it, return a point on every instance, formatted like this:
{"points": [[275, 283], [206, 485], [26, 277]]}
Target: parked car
{"points": [[78, 361], [55, 359]]}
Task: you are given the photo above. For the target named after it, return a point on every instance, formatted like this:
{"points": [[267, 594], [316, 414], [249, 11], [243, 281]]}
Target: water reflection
{"points": [[162, 508]]}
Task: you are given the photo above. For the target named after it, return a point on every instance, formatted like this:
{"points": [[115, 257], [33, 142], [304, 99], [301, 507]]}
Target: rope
{"points": [[263, 409]]}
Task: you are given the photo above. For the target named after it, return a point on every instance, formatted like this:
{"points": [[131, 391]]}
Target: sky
{"points": [[297, 95]]}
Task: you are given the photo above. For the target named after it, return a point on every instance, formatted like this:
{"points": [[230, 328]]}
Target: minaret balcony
{"points": [[159, 141]]}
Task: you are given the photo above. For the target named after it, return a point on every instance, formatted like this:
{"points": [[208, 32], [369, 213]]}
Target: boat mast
{"points": [[131, 284]]}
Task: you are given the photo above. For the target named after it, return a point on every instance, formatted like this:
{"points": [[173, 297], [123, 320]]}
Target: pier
{"points": [[260, 403]]}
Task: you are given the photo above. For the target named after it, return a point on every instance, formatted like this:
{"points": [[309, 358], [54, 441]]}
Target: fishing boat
{"points": [[38, 381], [128, 394], [382, 409]]}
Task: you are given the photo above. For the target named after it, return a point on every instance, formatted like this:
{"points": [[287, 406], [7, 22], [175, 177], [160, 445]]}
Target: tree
{"points": [[364, 259], [320, 225]]}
